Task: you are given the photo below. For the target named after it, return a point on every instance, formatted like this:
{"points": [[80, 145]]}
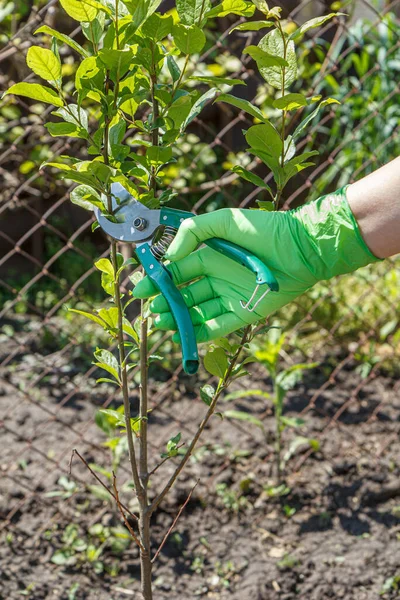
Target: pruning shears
{"points": [[139, 225]]}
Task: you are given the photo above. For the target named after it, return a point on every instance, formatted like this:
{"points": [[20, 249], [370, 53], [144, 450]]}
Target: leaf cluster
{"points": [[275, 57]]}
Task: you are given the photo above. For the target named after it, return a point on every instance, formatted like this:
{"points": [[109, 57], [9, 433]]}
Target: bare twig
{"points": [[123, 515], [74, 451], [164, 461], [174, 522], [221, 386]]}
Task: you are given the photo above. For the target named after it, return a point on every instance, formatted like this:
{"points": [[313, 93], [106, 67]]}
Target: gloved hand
{"points": [[302, 246]]}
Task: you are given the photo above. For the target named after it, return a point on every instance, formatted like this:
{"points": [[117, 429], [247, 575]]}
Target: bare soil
{"points": [[334, 534]]}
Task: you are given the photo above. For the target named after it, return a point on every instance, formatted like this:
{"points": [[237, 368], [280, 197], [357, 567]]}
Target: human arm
{"points": [[302, 246], [375, 203]]}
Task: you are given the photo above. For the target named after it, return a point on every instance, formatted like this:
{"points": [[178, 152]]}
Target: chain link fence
{"points": [[349, 326]]}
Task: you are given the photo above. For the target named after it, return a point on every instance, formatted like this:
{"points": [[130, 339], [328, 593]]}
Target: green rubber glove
{"points": [[314, 242]]}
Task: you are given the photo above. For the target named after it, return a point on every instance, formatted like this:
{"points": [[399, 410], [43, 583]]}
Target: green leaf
{"points": [[107, 361], [136, 277], [141, 10], [207, 393], [217, 80], [252, 178], [243, 416], [63, 38], [297, 164], [188, 39], [73, 114], [289, 149], [66, 129], [198, 107], [316, 22], [157, 27], [253, 26], [288, 378], [290, 102], [293, 422], [157, 155], [173, 68], [242, 105], [69, 173], [104, 265], [117, 416], [107, 380], [312, 116], [35, 91], [172, 444], [216, 362], [63, 557], [89, 316], [266, 205], [273, 44], [297, 443], [44, 63], [265, 138], [109, 315], [272, 162], [264, 59], [262, 6], [89, 79], [129, 330], [118, 61], [191, 12], [94, 30], [81, 10], [232, 7]]}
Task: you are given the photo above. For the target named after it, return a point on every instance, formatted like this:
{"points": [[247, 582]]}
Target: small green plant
{"points": [[283, 380], [390, 584], [268, 354], [233, 500], [69, 488], [88, 549]]}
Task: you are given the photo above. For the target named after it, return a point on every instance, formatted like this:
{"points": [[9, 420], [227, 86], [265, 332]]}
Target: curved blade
{"points": [[124, 230]]}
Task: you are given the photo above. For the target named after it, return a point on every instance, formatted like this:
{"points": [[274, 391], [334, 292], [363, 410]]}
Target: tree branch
{"points": [[174, 522], [221, 386]]}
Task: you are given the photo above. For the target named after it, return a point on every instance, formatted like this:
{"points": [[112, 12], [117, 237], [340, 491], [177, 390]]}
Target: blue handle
{"points": [[247, 259], [174, 218], [163, 281]]}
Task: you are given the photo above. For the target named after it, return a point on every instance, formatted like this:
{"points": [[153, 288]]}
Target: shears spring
{"points": [[247, 305], [160, 248]]}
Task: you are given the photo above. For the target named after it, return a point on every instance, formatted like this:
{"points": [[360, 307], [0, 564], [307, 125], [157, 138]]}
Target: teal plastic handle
{"points": [[163, 281], [247, 259], [174, 218]]}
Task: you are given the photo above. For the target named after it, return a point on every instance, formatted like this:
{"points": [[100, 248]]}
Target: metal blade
{"points": [[131, 211]]}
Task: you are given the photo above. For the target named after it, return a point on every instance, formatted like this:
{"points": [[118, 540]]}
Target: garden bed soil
{"points": [[335, 533]]}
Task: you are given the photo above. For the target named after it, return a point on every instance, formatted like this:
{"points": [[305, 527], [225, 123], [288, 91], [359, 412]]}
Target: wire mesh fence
{"points": [[348, 326]]}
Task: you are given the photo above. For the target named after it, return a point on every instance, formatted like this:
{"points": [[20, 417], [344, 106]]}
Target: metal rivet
{"points": [[143, 250], [151, 266], [165, 217]]}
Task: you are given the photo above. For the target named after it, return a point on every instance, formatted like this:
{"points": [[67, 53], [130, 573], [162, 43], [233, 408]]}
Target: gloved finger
{"points": [[195, 230], [198, 314], [193, 294], [215, 328], [183, 271]]}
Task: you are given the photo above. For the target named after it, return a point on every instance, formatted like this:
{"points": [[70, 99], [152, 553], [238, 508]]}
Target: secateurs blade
{"points": [[137, 224]]}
